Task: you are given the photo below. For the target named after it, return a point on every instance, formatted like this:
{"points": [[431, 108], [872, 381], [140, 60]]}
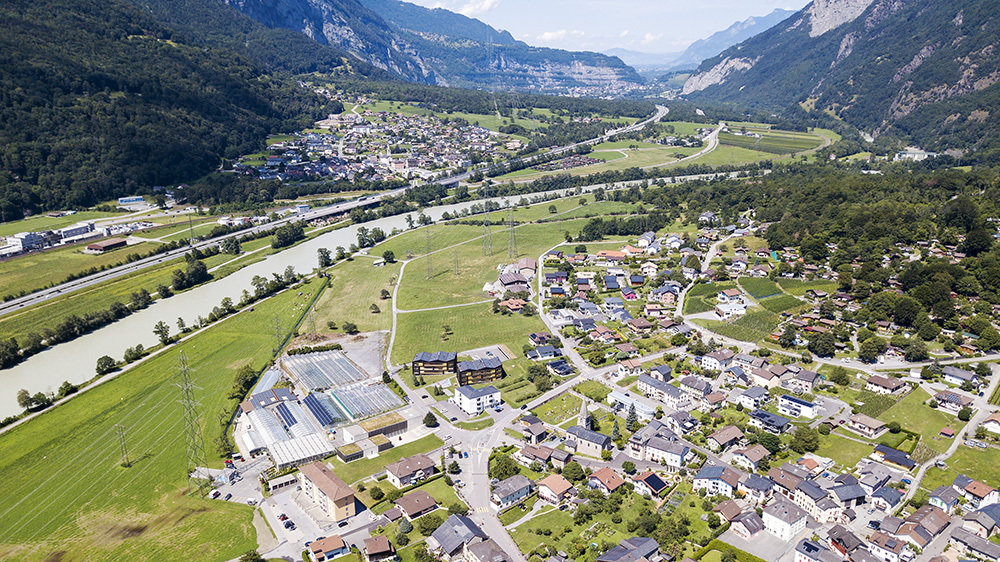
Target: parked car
{"points": [[282, 517], [228, 497], [453, 419], [215, 494], [343, 523], [465, 455]]}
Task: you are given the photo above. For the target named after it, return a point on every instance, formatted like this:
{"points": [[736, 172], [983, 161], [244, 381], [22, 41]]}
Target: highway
{"points": [[339, 208]]}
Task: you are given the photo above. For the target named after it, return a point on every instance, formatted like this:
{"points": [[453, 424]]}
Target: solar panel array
{"points": [[322, 370], [363, 401], [286, 416], [324, 409]]}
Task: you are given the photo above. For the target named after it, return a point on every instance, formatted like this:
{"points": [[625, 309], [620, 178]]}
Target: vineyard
{"points": [[753, 326], [774, 142]]}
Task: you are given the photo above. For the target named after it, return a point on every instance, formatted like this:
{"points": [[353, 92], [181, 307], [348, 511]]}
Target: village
{"points": [[768, 446]]}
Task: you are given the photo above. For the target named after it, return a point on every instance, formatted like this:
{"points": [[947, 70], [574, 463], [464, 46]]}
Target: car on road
{"points": [[251, 501], [453, 419], [343, 523], [525, 407]]}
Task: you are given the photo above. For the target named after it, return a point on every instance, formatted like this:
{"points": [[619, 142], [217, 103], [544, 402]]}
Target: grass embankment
{"points": [[70, 498]]}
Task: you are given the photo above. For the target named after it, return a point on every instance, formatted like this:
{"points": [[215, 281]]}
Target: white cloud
{"points": [[650, 38], [552, 36], [477, 7], [623, 33]]}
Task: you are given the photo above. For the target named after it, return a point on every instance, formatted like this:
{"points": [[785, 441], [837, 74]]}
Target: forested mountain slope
{"points": [[923, 70], [98, 98]]}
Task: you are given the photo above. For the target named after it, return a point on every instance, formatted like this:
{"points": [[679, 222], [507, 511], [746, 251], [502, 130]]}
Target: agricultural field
{"points": [[874, 404], [725, 155], [354, 286], [759, 288], [774, 142], [781, 303], [65, 464], [753, 326], [799, 287], [979, 464]]}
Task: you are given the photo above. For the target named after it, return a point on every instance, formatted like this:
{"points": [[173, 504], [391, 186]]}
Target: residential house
{"points": [[326, 490], [983, 522], [945, 497], [434, 364], [886, 547], [328, 548], [887, 499], [587, 442], [757, 490], [661, 372], [804, 381], [681, 422], [649, 269], [559, 368], [634, 549], [535, 433], [554, 488], [729, 296], [796, 407], [753, 398], [727, 510], [540, 338], [526, 267], [475, 401], [717, 480], [625, 401], [956, 376], [771, 423], [605, 480], [655, 442], [718, 360], [816, 501], [416, 504], [628, 349], [512, 490], [885, 385], [646, 239], [749, 458], [923, 525], [975, 492], [696, 386], [379, 548], [662, 295], [724, 438], [952, 402], [659, 390], [786, 480], [810, 551], [410, 470], [543, 353], [784, 520], [486, 551], [866, 426], [747, 525], [649, 484], [630, 368], [972, 545], [992, 423], [640, 326], [844, 541], [893, 457]]}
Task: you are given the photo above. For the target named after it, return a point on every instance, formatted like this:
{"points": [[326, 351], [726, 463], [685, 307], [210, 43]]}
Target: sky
{"points": [[651, 26]]}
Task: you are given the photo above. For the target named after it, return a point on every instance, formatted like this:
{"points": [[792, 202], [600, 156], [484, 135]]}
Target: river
{"points": [[74, 361]]}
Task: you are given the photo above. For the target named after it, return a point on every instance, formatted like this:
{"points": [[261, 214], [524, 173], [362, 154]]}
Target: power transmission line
{"points": [[427, 251], [487, 236], [511, 238], [196, 457], [120, 430]]}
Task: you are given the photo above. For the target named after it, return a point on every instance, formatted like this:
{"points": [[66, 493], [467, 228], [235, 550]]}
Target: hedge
{"points": [[716, 544]]}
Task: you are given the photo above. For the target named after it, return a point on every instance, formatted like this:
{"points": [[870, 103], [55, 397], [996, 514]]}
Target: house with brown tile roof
{"points": [[415, 504]]}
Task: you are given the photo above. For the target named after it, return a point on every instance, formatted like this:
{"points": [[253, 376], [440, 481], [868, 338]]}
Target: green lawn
{"points": [[627, 381], [475, 425], [559, 409], [842, 450], [67, 490], [515, 513], [363, 468], [354, 286], [697, 305], [914, 415]]}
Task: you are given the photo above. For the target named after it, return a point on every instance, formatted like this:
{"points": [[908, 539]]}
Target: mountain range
{"points": [[436, 46], [922, 70], [690, 58]]}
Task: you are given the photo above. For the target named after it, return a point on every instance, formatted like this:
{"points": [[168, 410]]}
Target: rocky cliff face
{"points": [[436, 46], [908, 67]]}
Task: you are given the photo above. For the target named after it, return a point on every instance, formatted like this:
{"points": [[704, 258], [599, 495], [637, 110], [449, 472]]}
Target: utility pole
{"points": [[487, 237], [120, 430], [458, 270], [427, 251], [195, 447], [277, 334], [511, 238], [190, 231]]}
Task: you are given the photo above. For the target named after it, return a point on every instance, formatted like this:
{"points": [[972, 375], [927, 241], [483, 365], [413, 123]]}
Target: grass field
{"points": [[753, 326], [67, 490], [874, 404], [914, 415], [760, 288], [41, 269], [732, 155], [444, 288], [559, 409], [776, 142], [979, 464], [41, 222], [641, 158], [354, 287], [472, 327], [593, 390]]}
